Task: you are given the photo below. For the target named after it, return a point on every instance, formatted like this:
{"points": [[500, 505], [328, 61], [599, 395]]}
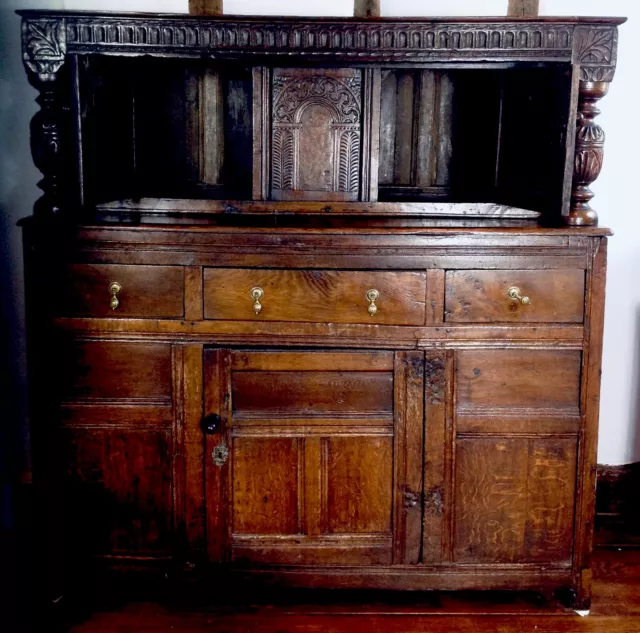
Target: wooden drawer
{"points": [[336, 296], [480, 296], [145, 291], [505, 391], [518, 378], [109, 370]]}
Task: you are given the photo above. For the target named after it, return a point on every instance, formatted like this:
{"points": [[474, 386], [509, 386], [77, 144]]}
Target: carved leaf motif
{"points": [[283, 159], [587, 165], [590, 134], [349, 161], [594, 46], [288, 161], [595, 51], [42, 39], [276, 159], [43, 47], [596, 73]]}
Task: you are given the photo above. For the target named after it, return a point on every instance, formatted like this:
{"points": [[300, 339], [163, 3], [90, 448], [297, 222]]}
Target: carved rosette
{"points": [[589, 152], [341, 97]]}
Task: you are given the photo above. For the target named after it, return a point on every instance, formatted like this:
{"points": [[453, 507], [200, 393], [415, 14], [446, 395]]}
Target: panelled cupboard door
{"points": [[314, 457], [112, 437], [517, 419]]}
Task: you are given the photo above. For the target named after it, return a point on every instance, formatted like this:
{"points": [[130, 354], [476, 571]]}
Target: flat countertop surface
{"points": [[291, 224]]}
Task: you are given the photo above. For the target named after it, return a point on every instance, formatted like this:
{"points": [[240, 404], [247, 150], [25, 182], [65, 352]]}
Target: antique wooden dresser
{"points": [[318, 302]]}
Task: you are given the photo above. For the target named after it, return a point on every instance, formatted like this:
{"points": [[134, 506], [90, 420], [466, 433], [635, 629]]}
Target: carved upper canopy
{"points": [[47, 37]]}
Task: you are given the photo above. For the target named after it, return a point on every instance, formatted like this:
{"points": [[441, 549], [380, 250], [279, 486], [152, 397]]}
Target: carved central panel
{"points": [[316, 127]]}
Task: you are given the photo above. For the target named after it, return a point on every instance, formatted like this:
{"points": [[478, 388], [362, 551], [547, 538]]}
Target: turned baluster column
{"points": [[43, 51], [46, 148], [588, 153]]}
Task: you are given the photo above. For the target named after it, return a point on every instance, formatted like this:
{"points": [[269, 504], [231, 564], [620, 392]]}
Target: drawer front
{"points": [[518, 391], [514, 378], [315, 296], [547, 296], [144, 291], [109, 370]]}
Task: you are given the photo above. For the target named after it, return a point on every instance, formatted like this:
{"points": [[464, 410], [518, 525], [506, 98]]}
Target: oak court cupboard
{"points": [[318, 302]]}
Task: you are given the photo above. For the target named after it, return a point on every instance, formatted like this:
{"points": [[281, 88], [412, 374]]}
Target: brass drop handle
{"points": [[514, 293], [372, 296], [114, 289], [256, 295]]}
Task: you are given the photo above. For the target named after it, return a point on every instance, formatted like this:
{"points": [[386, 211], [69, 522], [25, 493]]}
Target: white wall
{"points": [[615, 202], [615, 189]]}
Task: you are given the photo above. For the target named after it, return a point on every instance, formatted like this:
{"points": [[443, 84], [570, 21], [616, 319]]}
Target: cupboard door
{"points": [[322, 456], [514, 499], [112, 437], [517, 420]]}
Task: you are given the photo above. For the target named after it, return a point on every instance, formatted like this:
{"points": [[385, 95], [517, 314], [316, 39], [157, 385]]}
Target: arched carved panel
{"points": [[316, 134]]}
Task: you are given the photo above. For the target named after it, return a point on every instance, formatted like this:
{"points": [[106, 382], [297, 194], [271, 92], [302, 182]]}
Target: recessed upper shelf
{"points": [[197, 129], [230, 207]]}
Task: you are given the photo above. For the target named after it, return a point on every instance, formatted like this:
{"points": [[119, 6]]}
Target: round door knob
{"points": [[210, 424]]}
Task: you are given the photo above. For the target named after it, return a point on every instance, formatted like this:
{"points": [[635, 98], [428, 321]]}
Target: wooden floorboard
{"points": [[615, 609]]}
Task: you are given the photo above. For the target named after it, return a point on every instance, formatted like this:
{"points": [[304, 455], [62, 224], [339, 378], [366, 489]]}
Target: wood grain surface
{"points": [[480, 296], [315, 295], [147, 291]]}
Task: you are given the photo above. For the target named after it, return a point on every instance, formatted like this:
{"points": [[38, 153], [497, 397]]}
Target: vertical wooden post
{"points": [[366, 8], [523, 8], [44, 46], [48, 144], [205, 7], [589, 153], [211, 117]]}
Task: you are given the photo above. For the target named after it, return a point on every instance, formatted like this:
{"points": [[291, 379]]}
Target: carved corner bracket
{"points": [[44, 46], [594, 52], [43, 51], [595, 49]]}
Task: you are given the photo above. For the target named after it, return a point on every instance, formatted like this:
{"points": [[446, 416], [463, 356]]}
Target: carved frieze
{"points": [[316, 123], [312, 36], [46, 37]]}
